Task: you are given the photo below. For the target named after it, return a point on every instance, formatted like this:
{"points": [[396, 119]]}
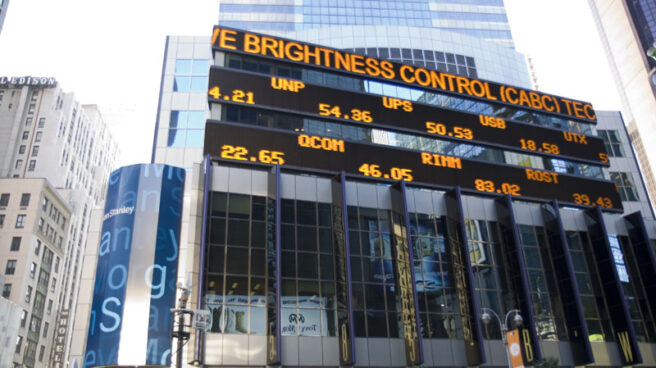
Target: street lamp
{"points": [[486, 317]]}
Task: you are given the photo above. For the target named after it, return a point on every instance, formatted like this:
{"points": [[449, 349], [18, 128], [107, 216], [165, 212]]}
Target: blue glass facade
{"points": [[643, 14], [480, 19]]}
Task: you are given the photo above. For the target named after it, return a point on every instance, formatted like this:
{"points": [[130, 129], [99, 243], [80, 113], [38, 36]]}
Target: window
{"points": [[28, 294], [37, 248], [44, 204], [19, 343], [2, 221], [19, 164], [26, 135], [37, 138], [53, 285], [49, 309], [4, 199], [57, 262], [32, 270], [23, 319], [31, 165], [612, 142], [35, 151], [28, 121], [41, 223], [6, 290], [25, 200], [20, 221], [11, 267], [21, 149], [42, 122], [42, 350], [30, 109], [15, 243], [46, 326], [625, 185]]}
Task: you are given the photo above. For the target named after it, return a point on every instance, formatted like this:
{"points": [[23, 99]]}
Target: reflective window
{"points": [[612, 142], [376, 311], [437, 300], [490, 272], [625, 185], [236, 263], [186, 128]]}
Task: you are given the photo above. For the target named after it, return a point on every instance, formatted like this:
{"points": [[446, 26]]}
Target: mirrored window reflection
{"points": [[236, 264], [548, 315], [585, 271], [186, 128], [437, 301], [307, 264], [375, 302], [490, 272]]}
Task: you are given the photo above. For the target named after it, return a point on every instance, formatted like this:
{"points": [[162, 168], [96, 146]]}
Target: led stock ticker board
{"points": [[232, 86], [243, 143], [316, 56]]}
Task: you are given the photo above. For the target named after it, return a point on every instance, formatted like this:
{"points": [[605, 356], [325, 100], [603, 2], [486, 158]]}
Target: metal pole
{"points": [[178, 355]]}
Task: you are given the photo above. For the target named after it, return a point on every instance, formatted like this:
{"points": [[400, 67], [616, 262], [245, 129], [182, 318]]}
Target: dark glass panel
{"points": [[376, 324], [215, 260], [359, 324], [324, 214], [288, 264], [219, 203], [308, 267], [287, 237], [288, 293], [258, 289], [308, 294], [258, 262], [217, 231], [258, 234], [307, 238], [287, 211], [307, 212], [238, 231], [239, 206], [327, 267], [258, 208], [325, 240], [237, 261]]}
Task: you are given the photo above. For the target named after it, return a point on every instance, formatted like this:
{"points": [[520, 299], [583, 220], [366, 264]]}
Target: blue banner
{"points": [[136, 268]]}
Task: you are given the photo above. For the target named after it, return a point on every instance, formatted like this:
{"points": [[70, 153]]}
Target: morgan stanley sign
{"points": [[130, 318]]}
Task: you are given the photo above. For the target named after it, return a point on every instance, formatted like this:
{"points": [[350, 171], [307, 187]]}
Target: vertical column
{"points": [[518, 276], [644, 256], [405, 276], [613, 291], [341, 248], [569, 290], [207, 172], [464, 278], [273, 267]]}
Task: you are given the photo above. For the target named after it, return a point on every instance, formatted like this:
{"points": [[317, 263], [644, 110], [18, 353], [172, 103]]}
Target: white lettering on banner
{"points": [[118, 211], [28, 81]]}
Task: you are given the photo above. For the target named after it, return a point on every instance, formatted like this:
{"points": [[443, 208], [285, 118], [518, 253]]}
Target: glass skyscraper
{"points": [[474, 18], [225, 242]]}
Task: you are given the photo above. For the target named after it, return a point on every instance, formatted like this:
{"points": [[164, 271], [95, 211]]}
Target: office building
{"points": [[46, 133], [4, 4], [465, 39], [34, 231], [627, 29]]}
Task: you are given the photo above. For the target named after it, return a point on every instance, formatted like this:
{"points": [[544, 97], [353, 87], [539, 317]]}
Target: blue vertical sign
{"points": [[130, 319]]}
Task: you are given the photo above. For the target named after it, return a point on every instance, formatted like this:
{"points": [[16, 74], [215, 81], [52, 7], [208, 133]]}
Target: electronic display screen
{"points": [[276, 48], [233, 86], [249, 144]]}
